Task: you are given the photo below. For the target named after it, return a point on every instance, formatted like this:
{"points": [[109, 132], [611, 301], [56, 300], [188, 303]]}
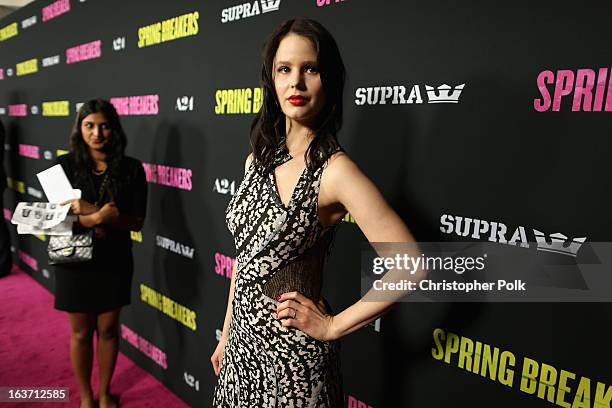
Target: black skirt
{"points": [[96, 286]]}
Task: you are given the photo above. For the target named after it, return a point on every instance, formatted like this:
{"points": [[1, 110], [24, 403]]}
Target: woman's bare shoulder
{"points": [[340, 165], [248, 162]]}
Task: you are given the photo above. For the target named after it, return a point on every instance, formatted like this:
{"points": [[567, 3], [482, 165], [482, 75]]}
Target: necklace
{"points": [[98, 172]]}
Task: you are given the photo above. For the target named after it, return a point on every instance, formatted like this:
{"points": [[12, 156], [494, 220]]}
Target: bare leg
{"points": [[81, 353], [108, 346]]}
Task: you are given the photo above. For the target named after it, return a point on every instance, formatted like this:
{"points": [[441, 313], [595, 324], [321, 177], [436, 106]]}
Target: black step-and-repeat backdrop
{"points": [[479, 122]]}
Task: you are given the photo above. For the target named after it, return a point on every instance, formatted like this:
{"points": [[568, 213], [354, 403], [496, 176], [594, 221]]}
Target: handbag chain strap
{"points": [[102, 188]]}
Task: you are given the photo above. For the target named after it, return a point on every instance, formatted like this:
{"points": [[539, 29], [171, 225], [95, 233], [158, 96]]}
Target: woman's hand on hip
{"points": [[296, 310], [81, 207], [217, 356]]}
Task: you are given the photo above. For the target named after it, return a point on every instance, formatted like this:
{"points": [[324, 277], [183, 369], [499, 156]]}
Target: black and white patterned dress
{"points": [[279, 249]]}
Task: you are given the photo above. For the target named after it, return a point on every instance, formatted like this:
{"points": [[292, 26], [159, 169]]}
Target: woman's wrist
{"points": [[90, 220], [333, 330]]}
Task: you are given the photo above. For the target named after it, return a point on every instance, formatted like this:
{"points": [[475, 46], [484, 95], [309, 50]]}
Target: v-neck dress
{"points": [[280, 248]]}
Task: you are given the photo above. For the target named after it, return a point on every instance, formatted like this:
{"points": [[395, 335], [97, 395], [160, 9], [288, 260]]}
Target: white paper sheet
{"points": [[63, 228], [56, 185], [39, 215]]}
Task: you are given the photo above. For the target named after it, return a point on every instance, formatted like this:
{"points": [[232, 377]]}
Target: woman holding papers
{"points": [[93, 292]]}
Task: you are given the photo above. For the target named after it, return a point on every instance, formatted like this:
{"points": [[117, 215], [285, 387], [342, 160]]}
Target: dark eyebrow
{"points": [[288, 63]]}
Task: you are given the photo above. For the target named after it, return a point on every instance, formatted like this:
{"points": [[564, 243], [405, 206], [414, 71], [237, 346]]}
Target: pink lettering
{"points": [[545, 77], [585, 80], [137, 105], [609, 97], [122, 105], [55, 9], [353, 402], [8, 215], [29, 151], [129, 335], [322, 3], [18, 110], [599, 91], [28, 260], [84, 52], [150, 172], [1, 73], [224, 265], [169, 176], [148, 349], [563, 87]]}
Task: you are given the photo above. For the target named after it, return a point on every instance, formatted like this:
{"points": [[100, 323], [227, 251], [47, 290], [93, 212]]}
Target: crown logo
{"points": [[558, 243], [443, 94], [269, 5]]}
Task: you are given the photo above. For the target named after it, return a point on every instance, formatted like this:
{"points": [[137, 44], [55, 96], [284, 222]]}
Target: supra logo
{"points": [[443, 95], [270, 5], [225, 186], [558, 243], [184, 103], [78, 105], [50, 61], [29, 22], [249, 9], [399, 95], [176, 247], [2, 111], [34, 192], [496, 231], [9, 72], [48, 155], [588, 87], [34, 110], [119, 43], [191, 381]]}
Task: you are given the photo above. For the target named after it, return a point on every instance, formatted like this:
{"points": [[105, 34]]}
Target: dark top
{"points": [[104, 283], [128, 190]]}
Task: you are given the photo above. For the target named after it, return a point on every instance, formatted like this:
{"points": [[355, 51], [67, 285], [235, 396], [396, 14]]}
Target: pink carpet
{"points": [[34, 351]]}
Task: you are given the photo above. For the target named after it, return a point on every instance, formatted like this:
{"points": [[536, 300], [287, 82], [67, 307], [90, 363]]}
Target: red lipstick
{"points": [[297, 100]]}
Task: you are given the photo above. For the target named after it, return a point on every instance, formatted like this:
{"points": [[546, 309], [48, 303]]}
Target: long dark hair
{"points": [[268, 127], [115, 148]]}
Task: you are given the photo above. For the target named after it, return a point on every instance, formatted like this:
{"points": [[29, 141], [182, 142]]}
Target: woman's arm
{"points": [[343, 182], [217, 355], [230, 299], [135, 208], [128, 222]]}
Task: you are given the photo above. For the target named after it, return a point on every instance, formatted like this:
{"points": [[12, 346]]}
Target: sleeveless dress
{"points": [[279, 249]]}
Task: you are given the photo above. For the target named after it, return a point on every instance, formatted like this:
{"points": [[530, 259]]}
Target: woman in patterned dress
{"points": [[279, 346]]}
